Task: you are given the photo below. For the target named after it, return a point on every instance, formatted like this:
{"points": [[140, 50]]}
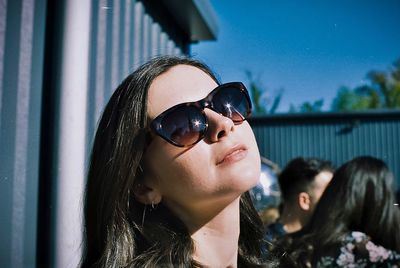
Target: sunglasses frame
{"points": [[202, 104]]}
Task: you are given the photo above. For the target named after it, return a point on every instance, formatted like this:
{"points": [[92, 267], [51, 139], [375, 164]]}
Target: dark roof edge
{"points": [[196, 17], [210, 17], [378, 114]]}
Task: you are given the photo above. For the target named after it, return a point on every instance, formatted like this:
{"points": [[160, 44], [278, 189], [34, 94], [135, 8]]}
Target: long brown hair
{"points": [[115, 233]]}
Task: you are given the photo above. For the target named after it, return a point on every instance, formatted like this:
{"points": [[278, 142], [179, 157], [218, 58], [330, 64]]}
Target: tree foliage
{"points": [[308, 107], [382, 92], [263, 101]]}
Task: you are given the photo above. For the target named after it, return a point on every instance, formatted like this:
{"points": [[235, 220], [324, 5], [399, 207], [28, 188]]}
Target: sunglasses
{"points": [[186, 124]]}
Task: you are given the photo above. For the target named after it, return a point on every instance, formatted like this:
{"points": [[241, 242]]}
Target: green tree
{"points": [[352, 100], [382, 92], [263, 102], [308, 107]]}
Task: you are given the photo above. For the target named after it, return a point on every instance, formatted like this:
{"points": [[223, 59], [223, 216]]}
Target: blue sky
{"points": [[307, 48]]}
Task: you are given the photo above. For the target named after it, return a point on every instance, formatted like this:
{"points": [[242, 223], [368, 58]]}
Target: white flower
{"points": [[350, 247], [358, 236]]}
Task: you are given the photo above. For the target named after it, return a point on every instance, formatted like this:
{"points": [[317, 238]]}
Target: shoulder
{"points": [[356, 250]]}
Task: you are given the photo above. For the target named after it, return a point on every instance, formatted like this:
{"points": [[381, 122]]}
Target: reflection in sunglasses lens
{"points": [[185, 125], [232, 103]]}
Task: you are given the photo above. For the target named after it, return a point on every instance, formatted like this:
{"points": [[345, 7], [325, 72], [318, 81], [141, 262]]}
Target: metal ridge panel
{"points": [[196, 17], [372, 114]]}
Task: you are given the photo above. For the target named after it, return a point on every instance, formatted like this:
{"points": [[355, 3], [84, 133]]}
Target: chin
{"points": [[255, 173], [244, 177], [251, 177], [244, 174]]}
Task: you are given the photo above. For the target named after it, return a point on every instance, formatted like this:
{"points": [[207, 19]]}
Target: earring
{"points": [[140, 168], [129, 197], [144, 214]]}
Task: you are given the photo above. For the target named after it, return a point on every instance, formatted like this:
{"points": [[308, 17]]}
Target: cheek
{"points": [[247, 135], [252, 170], [173, 172], [249, 173]]}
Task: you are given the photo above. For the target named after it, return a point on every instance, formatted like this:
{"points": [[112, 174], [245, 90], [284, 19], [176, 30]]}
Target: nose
{"points": [[219, 126]]}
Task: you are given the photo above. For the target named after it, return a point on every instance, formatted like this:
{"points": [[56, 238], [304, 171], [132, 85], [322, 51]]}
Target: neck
{"points": [[291, 220], [216, 242]]}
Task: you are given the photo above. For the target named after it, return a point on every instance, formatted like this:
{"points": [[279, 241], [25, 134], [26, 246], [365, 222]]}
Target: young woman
{"points": [[172, 161], [356, 222]]}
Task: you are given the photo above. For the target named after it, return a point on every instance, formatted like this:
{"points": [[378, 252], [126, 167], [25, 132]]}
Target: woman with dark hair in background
{"points": [[356, 222], [172, 162]]}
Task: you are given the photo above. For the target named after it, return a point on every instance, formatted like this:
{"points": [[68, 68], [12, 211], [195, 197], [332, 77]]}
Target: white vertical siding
{"points": [[71, 129], [21, 65]]}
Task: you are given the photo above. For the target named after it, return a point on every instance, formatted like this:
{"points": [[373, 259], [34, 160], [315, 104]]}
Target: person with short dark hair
{"points": [[302, 183], [355, 224]]}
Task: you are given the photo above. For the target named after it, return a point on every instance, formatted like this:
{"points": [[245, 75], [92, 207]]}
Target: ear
{"points": [[304, 201], [146, 195]]}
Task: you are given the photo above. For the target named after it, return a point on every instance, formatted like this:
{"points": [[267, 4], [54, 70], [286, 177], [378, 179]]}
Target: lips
{"points": [[233, 154]]}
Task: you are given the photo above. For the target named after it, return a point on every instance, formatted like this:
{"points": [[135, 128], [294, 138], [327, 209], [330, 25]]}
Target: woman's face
{"points": [[213, 172]]}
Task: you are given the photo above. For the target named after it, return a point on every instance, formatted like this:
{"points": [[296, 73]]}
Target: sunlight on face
{"points": [[189, 178]]}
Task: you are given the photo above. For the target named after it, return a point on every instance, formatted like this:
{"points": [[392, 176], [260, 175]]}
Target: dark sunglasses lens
{"points": [[184, 126], [233, 103]]}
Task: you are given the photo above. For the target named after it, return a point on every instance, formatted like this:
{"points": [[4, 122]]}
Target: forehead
{"points": [[181, 83]]}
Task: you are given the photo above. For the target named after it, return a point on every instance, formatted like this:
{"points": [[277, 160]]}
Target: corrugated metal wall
{"points": [[123, 36], [336, 137], [59, 63], [112, 39], [22, 34]]}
